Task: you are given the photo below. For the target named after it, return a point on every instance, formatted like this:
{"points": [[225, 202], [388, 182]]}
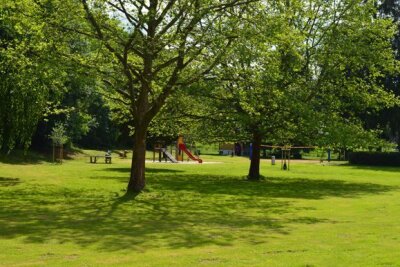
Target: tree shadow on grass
{"points": [[177, 211], [18, 157], [21, 159], [373, 168], [271, 187], [148, 170], [6, 181]]}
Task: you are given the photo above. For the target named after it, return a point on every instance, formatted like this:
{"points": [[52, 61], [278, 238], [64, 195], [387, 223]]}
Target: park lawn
{"points": [[76, 214]]}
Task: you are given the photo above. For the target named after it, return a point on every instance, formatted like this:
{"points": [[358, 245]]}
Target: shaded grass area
{"points": [[19, 157], [287, 187], [188, 208], [376, 168], [180, 209], [6, 181]]}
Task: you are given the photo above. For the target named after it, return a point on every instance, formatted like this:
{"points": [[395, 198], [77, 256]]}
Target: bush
{"points": [[375, 158]]}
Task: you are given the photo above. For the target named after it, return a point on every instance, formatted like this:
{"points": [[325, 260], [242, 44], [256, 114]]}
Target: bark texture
{"points": [[137, 180], [254, 171]]}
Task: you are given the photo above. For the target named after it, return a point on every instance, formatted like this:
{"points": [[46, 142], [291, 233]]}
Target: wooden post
{"points": [[61, 153]]}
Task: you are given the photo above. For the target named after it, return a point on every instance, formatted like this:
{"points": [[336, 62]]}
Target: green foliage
{"points": [[329, 130], [28, 74], [77, 107], [45, 73], [301, 68], [58, 134], [388, 119]]}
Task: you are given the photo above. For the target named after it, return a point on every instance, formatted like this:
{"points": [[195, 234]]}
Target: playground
{"points": [[220, 133], [315, 214], [180, 151]]}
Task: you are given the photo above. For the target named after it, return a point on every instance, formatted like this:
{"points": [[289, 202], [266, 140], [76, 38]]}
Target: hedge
{"points": [[375, 158]]}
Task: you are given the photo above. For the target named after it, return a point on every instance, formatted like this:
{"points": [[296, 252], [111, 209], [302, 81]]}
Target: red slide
{"points": [[190, 155]]}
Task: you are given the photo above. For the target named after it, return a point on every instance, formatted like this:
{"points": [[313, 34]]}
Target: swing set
{"points": [[286, 153]]}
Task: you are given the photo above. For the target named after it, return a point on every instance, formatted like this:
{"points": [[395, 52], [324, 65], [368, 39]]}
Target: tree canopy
{"points": [[304, 69], [29, 75]]}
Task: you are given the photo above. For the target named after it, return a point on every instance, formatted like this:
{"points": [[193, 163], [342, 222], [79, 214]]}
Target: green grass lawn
{"points": [[76, 214]]}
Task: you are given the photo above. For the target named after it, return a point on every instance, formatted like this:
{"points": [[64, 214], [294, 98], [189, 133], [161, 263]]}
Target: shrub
{"points": [[58, 134], [375, 158]]}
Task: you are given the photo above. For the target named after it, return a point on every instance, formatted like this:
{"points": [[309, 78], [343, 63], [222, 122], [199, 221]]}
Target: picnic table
{"points": [[107, 159]]}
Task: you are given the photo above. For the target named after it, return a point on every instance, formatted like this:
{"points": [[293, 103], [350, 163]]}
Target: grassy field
{"points": [[76, 214]]}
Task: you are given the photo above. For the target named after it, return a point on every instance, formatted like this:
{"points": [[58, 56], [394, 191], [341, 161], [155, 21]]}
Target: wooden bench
{"points": [[107, 159]]}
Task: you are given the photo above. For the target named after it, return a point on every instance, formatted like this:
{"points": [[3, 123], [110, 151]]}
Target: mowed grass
{"points": [[76, 214]]}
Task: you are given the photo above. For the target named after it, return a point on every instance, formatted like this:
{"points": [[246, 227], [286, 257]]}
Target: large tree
{"points": [[305, 67], [157, 47]]}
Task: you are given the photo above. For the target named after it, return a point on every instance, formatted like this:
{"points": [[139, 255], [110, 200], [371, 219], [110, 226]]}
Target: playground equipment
{"points": [[285, 160], [163, 154], [286, 154], [169, 155], [182, 149]]}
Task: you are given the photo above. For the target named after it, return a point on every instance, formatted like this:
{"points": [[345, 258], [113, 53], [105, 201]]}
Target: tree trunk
{"points": [[254, 172], [137, 180]]}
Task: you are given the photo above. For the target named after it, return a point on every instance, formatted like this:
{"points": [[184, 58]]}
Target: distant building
{"points": [[226, 148]]}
